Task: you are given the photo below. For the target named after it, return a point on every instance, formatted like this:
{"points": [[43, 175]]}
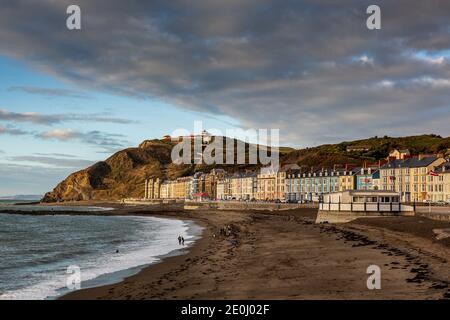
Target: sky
{"points": [[141, 69]]}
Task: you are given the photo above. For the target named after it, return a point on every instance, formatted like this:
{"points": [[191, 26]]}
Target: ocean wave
{"points": [[151, 239]]}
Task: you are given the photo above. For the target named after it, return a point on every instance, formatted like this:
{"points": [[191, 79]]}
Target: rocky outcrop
{"points": [[120, 175]]}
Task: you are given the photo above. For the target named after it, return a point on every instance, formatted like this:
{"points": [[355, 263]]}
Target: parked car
{"points": [[441, 203]]}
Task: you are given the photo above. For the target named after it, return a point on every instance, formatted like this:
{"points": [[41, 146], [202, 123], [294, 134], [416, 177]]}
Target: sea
{"points": [[43, 257]]}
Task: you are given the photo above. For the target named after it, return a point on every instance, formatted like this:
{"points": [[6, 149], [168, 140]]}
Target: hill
{"points": [[123, 174]]}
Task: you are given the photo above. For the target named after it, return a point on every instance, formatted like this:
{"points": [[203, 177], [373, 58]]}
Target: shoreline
{"points": [[116, 277], [156, 269], [194, 231], [298, 258]]}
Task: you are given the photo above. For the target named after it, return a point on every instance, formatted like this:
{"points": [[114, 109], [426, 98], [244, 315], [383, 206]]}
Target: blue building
{"points": [[368, 179]]}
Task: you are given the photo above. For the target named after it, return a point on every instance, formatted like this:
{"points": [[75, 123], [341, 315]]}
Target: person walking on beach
{"points": [[179, 240], [182, 241]]}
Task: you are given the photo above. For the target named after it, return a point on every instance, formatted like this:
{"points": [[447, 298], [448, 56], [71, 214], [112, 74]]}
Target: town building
{"points": [[207, 183], [347, 179], [401, 154], [221, 192], [439, 184], [152, 188], [368, 179], [243, 186], [176, 189], [293, 186], [409, 176], [271, 182], [345, 206], [312, 185]]}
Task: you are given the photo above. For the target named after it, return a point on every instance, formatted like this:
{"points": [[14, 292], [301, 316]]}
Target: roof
{"points": [[410, 163], [290, 167], [366, 172], [240, 175], [444, 168]]}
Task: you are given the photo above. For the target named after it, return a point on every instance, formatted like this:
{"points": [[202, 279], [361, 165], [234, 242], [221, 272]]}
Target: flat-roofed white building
{"points": [[348, 205]]}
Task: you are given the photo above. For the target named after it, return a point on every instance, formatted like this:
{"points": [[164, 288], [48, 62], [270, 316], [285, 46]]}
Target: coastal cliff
{"points": [[121, 174]]}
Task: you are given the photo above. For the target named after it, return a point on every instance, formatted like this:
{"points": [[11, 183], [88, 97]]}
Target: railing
{"points": [[365, 207]]}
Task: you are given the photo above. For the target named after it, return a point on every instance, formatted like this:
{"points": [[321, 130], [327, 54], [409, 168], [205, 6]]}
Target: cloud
{"points": [[48, 92], [62, 155], [53, 161], [364, 60], [59, 134], [267, 63], [12, 131], [107, 141], [51, 119]]}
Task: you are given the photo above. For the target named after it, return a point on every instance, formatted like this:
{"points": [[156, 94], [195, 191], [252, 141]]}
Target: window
{"points": [[358, 199]]}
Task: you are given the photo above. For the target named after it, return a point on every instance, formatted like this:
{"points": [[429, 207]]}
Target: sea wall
{"points": [[175, 205], [347, 216], [435, 213], [229, 205], [151, 205]]}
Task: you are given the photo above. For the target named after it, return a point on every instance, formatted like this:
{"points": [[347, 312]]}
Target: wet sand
{"points": [[284, 255]]}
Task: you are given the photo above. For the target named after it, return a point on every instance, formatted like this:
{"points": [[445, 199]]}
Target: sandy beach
{"points": [[285, 255]]}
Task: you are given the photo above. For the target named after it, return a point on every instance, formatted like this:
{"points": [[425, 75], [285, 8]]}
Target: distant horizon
{"points": [[21, 196]]}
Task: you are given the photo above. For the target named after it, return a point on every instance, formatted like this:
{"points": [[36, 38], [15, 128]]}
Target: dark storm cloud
{"points": [[310, 68], [51, 119]]}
